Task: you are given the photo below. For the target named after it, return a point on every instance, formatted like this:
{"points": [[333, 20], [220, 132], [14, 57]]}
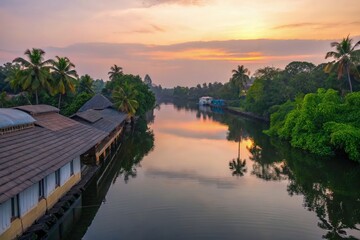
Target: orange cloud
{"points": [[207, 54], [204, 54]]}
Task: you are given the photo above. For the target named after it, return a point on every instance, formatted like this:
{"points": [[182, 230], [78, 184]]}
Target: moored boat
{"points": [[206, 100]]}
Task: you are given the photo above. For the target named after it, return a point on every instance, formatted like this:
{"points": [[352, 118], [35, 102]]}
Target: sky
{"points": [[176, 42]]}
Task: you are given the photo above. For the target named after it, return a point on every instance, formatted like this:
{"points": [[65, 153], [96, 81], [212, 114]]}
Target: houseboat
{"points": [[40, 153], [205, 100], [101, 114]]}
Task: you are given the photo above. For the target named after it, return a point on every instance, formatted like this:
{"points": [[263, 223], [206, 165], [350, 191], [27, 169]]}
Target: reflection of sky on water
{"points": [[184, 189], [191, 176]]}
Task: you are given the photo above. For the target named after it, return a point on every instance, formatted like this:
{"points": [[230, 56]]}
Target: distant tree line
{"points": [[314, 107]]}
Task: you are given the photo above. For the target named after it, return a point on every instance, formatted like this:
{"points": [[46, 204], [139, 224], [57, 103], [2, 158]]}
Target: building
{"points": [[40, 154], [100, 113]]}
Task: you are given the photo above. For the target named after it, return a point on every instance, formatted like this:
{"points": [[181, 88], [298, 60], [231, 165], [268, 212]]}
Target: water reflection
{"points": [[123, 166], [238, 167], [216, 176], [330, 187], [130, 154]]}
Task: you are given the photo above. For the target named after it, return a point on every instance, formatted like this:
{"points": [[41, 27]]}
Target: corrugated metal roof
{"points": [[12, 117], [98, 102]]}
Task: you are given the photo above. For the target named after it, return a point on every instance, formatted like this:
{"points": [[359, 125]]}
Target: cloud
{"points": [[317, 25], [296, 25], [152, 28], [187, 63], [150, 3]]}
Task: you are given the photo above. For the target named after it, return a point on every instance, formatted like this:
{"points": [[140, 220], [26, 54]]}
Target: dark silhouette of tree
{"points": [[35, 71], [115, 71], [346, 56]]}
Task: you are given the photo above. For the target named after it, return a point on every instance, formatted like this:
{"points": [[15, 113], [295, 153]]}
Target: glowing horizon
{"points": [[162, 38]]}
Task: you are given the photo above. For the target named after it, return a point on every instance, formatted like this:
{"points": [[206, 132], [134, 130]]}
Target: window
{"points": [[15, 206], [28, 199], [57, 178], [41, 189], [5, 216], [72, 168]]}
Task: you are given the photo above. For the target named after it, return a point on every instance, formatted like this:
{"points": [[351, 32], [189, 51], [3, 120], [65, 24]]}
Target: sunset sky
{"points": [[177, 42]]}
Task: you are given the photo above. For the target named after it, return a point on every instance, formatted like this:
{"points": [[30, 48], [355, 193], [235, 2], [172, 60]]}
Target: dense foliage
{"points": [[273, 86], [322, 123], [134, 87]]}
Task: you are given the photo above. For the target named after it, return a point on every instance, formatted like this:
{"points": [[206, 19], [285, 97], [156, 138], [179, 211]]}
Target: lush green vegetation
{"points": [[322, 123], [33, 80], [130, 94], [327, 121], [316, 108]]}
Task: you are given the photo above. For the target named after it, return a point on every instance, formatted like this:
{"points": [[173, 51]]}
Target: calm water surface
{"points": [[196, 174]]}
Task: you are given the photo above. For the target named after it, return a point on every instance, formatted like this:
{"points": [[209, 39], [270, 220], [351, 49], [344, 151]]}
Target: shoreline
{"points": [[246, 114]]}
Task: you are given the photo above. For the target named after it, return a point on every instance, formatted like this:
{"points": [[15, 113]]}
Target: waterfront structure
{"points": [[218, 103], [205, 100], [100, 113], [40, 153]]}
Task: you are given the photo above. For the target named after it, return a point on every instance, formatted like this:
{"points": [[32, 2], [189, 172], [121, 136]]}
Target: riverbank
{"points": [[240, 112], [185, 191]]}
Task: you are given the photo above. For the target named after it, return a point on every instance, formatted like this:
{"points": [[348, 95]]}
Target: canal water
{"points": [[203, 174]]}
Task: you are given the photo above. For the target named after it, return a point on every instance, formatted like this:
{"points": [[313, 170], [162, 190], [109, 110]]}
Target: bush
{"points": [[321, 123]]}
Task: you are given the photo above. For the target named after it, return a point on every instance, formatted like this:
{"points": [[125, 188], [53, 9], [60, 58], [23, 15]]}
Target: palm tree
{"points": [[35, 71], [345, 57], [240, 78], [15, 77], [125, 99], [238, 167], [86, 84], [115, 71], [64, 76]]}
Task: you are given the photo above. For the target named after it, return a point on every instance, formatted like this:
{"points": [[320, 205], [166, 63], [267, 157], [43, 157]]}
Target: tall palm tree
{"points": [[36, 72], [85, 84], [64, 76], [240, 78], [125, 99], [346, 56], [115, 71], [238, 167]]}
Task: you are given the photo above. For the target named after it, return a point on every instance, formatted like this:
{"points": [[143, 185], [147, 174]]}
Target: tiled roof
{"points": [[38, 109], [29, 155], [90, 115], [106, 120], [98, 102]]}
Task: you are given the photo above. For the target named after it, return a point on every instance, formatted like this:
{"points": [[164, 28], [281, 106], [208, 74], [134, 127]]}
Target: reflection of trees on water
{"points": [[268, 171], [135, 147], [238, 167], [330, 187]]}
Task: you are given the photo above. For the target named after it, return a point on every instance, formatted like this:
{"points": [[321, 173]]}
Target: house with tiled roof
{"points": [[40, 153], [100, 113]]}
